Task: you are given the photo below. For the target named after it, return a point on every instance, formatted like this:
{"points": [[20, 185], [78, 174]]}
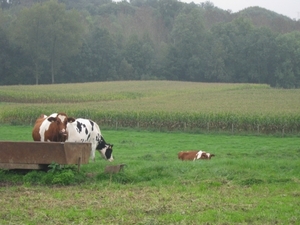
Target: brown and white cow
{"points": [[51, 128], [194, 155]]}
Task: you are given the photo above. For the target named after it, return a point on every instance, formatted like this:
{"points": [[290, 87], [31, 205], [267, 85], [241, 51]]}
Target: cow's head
{"points": [[210, 155], [201, 155], [59, 124], [105, 149]]}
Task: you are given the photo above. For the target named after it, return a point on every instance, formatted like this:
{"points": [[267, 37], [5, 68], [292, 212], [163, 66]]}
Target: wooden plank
{"points": [[11, 166], [35, 153], [73, 151]]}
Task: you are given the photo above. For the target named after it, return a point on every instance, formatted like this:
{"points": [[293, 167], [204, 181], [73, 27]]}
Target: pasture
{"points": [[252, 180]]}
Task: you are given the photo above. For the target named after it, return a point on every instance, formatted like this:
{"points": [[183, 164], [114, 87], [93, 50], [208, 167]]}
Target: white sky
{"points": [[290, 8]]}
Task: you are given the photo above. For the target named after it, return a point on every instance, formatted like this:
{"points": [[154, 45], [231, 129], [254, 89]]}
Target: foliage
{"points": [[56, 175], [48, 33], [84, 41]]}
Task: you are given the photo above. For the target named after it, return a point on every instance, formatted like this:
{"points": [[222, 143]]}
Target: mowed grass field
{"points": [[254, 178], [251, 180]]}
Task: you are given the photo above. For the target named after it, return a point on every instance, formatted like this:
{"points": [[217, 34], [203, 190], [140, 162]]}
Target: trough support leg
{"points": [[110, 179], [79, 162]]}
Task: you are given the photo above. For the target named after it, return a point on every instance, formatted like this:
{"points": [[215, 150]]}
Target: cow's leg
{"points": [[93, 150]]}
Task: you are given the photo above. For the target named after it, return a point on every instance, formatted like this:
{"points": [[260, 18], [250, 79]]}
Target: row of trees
{"points": [[83, 41]]}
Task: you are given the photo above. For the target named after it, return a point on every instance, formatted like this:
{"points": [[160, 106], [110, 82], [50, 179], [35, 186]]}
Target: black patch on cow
{"points": [[101, 144], [92, 124], [108, 152], [88, 137], [79, 127], [82, 127]]}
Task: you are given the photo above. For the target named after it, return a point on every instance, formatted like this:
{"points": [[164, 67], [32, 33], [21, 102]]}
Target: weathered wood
{"points": [[10, 166], [26, 154], [114, 169]]}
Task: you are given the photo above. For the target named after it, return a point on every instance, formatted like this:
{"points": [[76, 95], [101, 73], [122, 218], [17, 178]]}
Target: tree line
{"points": [[50, 41]]}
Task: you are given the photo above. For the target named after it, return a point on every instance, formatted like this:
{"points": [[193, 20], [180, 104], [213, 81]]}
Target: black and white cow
{"points": [[85, 130]]}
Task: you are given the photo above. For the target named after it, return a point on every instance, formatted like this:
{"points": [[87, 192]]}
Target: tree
{"points": [[287, 73], [103, 54], [168, 10], [216, 69], [29, 33], [188, 52], [235, 41], [48, 33], [133, 54], [4, 49], [125, 70], [64, 31], [260, 51]]}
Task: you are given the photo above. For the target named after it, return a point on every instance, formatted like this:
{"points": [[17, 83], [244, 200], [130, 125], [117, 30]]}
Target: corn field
{"points": [[160, 105], [165, 121]]}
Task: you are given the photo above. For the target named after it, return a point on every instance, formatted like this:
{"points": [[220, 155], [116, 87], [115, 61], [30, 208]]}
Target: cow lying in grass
{"points": [[194, 155]]}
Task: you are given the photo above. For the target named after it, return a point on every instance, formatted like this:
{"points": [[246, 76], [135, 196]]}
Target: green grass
{"points": [[252, 180]]}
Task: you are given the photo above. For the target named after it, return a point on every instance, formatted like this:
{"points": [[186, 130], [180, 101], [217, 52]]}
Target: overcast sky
{"points": [[290, 8]]}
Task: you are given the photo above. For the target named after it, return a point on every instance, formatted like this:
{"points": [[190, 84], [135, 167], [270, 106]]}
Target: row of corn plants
{"points": [[168, 121]]}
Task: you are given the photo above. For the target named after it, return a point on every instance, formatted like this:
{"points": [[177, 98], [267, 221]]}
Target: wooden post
{"points": [[110, 179]]}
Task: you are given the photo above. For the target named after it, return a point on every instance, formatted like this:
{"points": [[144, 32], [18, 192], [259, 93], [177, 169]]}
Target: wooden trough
{"points": [[38, 155]]}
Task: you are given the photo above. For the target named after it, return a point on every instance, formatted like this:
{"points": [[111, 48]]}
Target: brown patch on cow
{"points": [[35, 132], [192, 155], [114, 169], [187, 155]]}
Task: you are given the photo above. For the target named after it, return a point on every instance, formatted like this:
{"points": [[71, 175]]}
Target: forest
{"points": [[73, 41]]}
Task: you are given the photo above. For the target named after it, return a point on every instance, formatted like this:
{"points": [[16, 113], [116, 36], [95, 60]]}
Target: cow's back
{"points": [[83, 130], [187, 155]]}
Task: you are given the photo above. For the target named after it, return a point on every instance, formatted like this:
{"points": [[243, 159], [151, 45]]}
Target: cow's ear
{"points": [[71, 119], [52, 119]]}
